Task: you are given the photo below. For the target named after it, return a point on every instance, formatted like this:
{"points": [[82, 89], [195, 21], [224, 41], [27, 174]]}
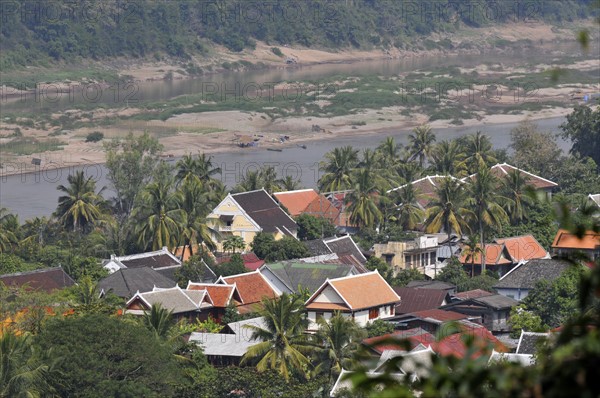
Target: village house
{"points": [[248, 213], [365, 297], [191, 305], [429, 320], [310, 202], [419, 253], [253, 287], [162, 261], [504, 254], [44, 279], [221, 295], [344, 247], [127, 282], [567, 245], [519, 281], [494, 310], [420, 299]]}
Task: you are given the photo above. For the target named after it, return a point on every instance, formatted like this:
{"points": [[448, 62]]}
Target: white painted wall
{"points": [[361, 318], [328, 295], [517, 294]]}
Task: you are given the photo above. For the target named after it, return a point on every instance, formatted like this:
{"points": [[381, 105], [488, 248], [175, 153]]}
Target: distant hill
{"points": [[38, 32]]}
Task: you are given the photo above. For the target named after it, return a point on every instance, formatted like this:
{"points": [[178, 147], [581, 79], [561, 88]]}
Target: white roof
{"points": [[523, 359], [222, 344]]}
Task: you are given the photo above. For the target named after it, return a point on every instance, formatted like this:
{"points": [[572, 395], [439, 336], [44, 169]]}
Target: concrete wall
{"points": [[517, 294], [328, 295]]}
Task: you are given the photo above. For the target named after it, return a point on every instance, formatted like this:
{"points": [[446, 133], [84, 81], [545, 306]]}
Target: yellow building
{"points": [[248, 213], [419, 253]]}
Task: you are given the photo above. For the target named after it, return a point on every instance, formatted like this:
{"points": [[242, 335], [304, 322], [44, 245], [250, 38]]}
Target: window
{"points": [[388, 258], [432, 258], [407, 262], [374, 313]]}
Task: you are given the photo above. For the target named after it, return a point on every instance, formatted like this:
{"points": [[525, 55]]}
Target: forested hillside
{"points": [[37, 32]]}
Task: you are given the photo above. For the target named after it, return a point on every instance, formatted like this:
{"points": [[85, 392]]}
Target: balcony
{"points": [[225, 228]]}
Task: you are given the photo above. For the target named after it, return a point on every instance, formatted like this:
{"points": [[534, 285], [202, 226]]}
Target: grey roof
{"points": [[308, 275], [176, 300], [496, 301], [265, 211], [446, 251], [157, 260], [345, 246], [230, 345], [419, 299], [526, 275], [438, 285], [317, 247], [529, 342], [240, 328], [127, 281]]}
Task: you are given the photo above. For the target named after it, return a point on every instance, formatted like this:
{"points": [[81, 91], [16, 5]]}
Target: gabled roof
{"points": [[174, 299], [472, 294], [437, 316], [127, 281], [159, 260], [417, 362], [308, 275], [220, 294], [522, 359], [414, 336], [227, 345], [529, 342], [595, 198], [253, 286], [437, 285], [524, 247], [44, 279], [317, 247], [567, 240], [419, 299], [357, 292], [526, 275], [296, 201], [425, 188], [240, 328], [496, 302], [502, 170], [265, 211], [321, 207], [495, 254], [251, 261], [343, 246]]}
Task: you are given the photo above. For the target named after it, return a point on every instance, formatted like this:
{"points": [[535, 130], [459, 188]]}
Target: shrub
{"points": [[94, 137], [276, 51]]}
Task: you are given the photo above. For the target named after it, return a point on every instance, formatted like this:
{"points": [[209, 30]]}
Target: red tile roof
{"points": [[473, 294], [45, 279], [523, 248], [414, 336], [359, 291], [221, 295], [296, 201], [566, 240], [323, 208], [251, 261], [494, 255], [253, 287]]}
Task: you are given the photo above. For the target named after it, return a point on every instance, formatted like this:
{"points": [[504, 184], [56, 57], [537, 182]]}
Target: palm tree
{"points": [[234, 243], [421, 143], [362, 200], [159, 321], [515, 188], [251, 181], [7, 237], [409, 171], [160, 217], [269, 180], [471, 250], [22, 373], [289, 184], [447, 210], [81, 205], [484, 203], [187, 169], [478, 148], [339, 337], [201, 168], [196, 203], [449, 159], [390, 152], [409, 212], [33, 230], [283, 346], [337, 169]]}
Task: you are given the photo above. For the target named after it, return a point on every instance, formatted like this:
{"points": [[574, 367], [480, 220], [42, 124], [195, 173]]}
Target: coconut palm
{"points": [[485, 204], [390, 152], [269, 180], [447, 210], [196, 203], [251, 181], [515, 188], [159, 216], [362, 200], [22, 372], [478, 149], [81, 206], [158, 320], [409, 213], [200, 168], [421, 142], [282, 344], [7, 237], [409, 171], [234, 243], [448, 158], [339, 337], [471, 250], [289, 184], [187, 169], [337, 169]]}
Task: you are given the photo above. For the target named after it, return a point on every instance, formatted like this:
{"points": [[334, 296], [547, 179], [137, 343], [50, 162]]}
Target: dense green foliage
{"points": [[67, 31], [311, 227], [266, 247]]}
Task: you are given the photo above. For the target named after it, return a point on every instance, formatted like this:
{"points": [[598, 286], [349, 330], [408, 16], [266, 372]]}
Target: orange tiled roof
{"points": [[359, 291], [494, 255], [220, 294], [523, 248], [252, 286], [296, 201], [566, 240], [322, 207]]}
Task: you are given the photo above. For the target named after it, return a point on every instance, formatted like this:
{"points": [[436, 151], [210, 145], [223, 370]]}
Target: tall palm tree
{"points": [[337, 169], [390, 152], [408, 210], [515, 188], [251, 181], [196, 203], [409, 171], [421, 142], [7, 237], [447, 210], [269, 180], [200, 168], [22, 373], [207, 170], [362, 201], [289, 184], [471, 250], [485, 204], [478, 148], [448, 158], [159, 321], [339, 337], [33, 230], [187, 169], [283, 346], [159, 216], [234, 243], [81, 206]]}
